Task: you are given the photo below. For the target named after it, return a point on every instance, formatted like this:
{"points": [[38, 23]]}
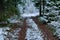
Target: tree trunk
{"points": [[40, 9]]}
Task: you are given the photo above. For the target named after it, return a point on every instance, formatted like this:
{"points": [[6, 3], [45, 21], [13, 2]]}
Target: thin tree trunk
{"points": [[40, 9]]}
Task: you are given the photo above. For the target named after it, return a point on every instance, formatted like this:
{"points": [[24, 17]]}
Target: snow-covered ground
{"points": [[13, 35], [29, 10], [33, 33], [56, 25], [9, 35], [3, 32], [14, 19], [52, 8], [30, 15]]}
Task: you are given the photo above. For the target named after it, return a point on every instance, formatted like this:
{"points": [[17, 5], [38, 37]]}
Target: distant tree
{"points": [[8, 8]]}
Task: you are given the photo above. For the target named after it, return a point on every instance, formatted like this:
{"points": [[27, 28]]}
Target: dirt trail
{"points": [[46, 32], [22, 33]]}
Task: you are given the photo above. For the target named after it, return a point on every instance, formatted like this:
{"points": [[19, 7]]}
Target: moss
{"points": [[52, 30]]}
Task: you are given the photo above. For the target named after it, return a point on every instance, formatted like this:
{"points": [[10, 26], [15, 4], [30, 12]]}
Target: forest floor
{"points": [[47, 33]]}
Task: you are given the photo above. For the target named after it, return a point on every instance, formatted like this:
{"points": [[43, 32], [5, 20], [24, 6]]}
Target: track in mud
{"points": [[22, 33], [47, 34]]}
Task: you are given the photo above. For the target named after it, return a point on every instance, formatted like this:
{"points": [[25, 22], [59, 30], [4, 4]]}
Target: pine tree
{"points": [[8, 8]]}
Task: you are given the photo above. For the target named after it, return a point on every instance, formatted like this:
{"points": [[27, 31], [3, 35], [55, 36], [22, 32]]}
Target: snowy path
{"points": [[30, 31], [33, 33], [30, 14]]}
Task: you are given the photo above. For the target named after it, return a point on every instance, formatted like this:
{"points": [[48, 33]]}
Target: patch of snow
{"points": [[48, 2], [46, 14], [13, 21], [29, 9], [43, 19], [13, 35], [56, 25], [58, 17], [58, 32], [1, 36], [30, 14], [3, 32], [33, 33], [55, 7], [20, 8], [58, 2]]}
